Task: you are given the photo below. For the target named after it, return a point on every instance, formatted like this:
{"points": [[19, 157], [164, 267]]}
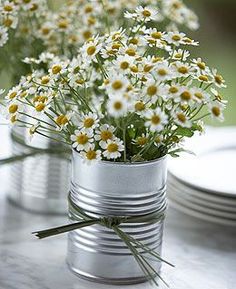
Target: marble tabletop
{"points": [[204, 254]]}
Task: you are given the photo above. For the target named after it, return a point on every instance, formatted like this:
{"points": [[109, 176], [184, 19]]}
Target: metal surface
{"points": [[115, 189], [39, 183]]}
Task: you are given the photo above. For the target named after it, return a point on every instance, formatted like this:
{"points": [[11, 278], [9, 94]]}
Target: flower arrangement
{"points": [[27, 28], [130, 95]]}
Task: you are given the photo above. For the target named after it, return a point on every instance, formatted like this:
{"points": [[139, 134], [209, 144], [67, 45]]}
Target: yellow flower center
{"points": [[87, 34], [201, 65], [142, 140], [147, 68], [124, 65], [156, 59], [8, 8], [156, 119], [88, 122], [162, 72], [112, 148], [88, 9], [116, 85], [7, 22], [80, 81], [139, 106], [56, 69], [40, 107], [134, 41], [116, 46], [178, 55], [106, 135], [146, 13], [199, 95], [183, 69], [134, 69], [131, 52], [91, 50], [158, 140], [156, 35], [216, 111], [13, 108], [62, 120], [63, 24], [45, 30], [181, 117], [176, 37], [13, 119], [82, 139], [45, 80], [203, 78], [218, 79], [151, 90], [12, 95], [91, 20], [186, 95], [117, 105], [187, 40], [91, 155], [173, 89]]}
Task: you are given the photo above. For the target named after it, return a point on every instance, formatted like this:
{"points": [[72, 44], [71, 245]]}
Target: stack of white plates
{"points": [[204, 185]]}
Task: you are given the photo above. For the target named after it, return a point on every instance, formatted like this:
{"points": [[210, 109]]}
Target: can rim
{"points": [[127, 164]]}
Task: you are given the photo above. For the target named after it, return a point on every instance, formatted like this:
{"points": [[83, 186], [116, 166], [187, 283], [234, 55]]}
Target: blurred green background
{"points": [[217, 45]]}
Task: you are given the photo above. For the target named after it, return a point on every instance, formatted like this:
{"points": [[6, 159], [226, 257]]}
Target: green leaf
{"points": [[184, 131]]}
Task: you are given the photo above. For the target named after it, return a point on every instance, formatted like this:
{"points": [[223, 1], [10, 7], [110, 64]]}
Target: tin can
{"points": [[39, 183], [96, 253]]}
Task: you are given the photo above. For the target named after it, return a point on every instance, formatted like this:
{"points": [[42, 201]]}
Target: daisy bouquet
{"points": [[130, 95], [30, 27]]}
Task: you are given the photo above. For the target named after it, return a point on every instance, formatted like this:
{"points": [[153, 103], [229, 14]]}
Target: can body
{"points": [[115, 189], [39, 183]]}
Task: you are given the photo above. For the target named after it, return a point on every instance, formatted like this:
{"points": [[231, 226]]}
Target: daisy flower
{"points": [[181, 69], [123, 63], [91, 155], [218, 79], [81, 140], [142, 140], [146, 14], [14, 93], [164, 72], [180, 54], [113, 149], [216, 109], [104, 133], [117, 106], [175, 38], [155, 119], [90, 50], [88, 121], [117, 84], [151, 90], [181, 119]]}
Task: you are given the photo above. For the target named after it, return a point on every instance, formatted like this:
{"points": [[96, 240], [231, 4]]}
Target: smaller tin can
{"points": [[39, 183], [96, 253]]}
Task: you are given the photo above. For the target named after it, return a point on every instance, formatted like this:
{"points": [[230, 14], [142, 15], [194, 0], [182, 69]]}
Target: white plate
{"points": [[200, 208], [214, 167], [200, 215], [202, 195], [200, 202]]}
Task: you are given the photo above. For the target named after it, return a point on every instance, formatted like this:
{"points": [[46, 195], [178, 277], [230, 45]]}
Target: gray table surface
{"points": [[204, 254]]}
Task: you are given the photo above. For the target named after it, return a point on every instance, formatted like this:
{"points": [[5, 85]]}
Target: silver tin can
{"points": [[39, 183], [115, 189]]}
